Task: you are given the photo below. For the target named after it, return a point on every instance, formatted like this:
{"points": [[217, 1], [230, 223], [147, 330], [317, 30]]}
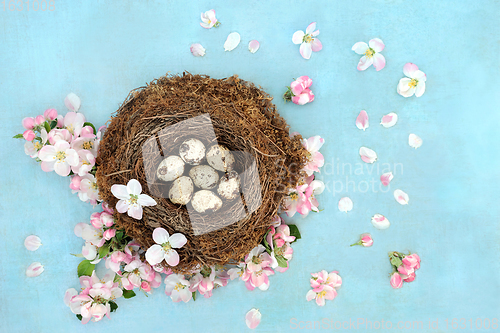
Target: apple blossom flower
{"points": [[59, 157], [414, 83], [412, 260], [315, 159], [50, 114], [207, 279], [345, 204], [279, 240], [75, 183], [410, 277], [93, 235], [380, 222], [324, 286], [371, 54], [58, 134], [396, 280], [135, 273], [314, 187], [89, 251], [320, 294], [252, 318], [297, 201], [386, 178], [108, 234], [197, 50], [276, 221], [365, 240], [34, 269], [86, 141], [177, 287], [32, 243], [73, 122], [405, 270], [164, 247], [208, 19], [308, 41], [88, 189], [72, 102], [131, 199], [33, 147], [258, 262], [299, 92], [362, 120], [85, 164], [39, 120]]}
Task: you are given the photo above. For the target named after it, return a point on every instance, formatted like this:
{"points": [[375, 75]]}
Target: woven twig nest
{"points": [[243, 119]]}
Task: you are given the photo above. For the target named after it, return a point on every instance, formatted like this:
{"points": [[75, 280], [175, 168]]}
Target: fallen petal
{"points": [[72, 102], [253, 46], [389, 120], [34, 269], [367, 155], [345, 204], [32, 242], [197, 50], [380, 222], [401, 197], [414, 141], [232, 41], [253, 318], [362, 120], [386, 178]]}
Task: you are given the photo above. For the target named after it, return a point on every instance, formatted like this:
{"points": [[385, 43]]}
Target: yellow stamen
{"points": [[179, 286], [94, 186], [369, 53], [61, 155], [37, 145], [322, 294], [294, 196], [87, 145], [307, 38], [413, 83]]}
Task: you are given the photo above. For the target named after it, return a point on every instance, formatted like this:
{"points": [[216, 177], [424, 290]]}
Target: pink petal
{"points": [[34, 269], [252, 318], [419, 75], [386, 178], [401, 197], [62, 168], [305, 50], [376, 44], [360, 47], [367, 155], [32, 243], [310, 295], [380, 222], [79, 228], [197, 50], [253, 46], [48, 166], [316, 45], [362, 120], [364, 63], [172, 257], [310, 28], [160, 236], [409, 69], [404, 88], [414, 141], [72, 102], [389, 120], [298, 36], [378, 61], [345, 204]]}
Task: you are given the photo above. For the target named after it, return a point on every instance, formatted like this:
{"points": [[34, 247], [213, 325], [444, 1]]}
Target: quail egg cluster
{"points": [[205, 186]]}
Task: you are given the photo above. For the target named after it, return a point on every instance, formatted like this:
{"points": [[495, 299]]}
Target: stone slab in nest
{"points": [[243, 118]]}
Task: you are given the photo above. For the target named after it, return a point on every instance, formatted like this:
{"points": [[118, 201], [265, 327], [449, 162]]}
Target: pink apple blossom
{"points": [[414, 83], [324, 286], [371, 54], [308, 41], [258, 265], [315, 159], [177, 287], [164, 247], [59, 134], [412, 260], [73, 122], [131, 199], [29, 135], [208, 19], [85, 164], [50, 114], [59, 157]]}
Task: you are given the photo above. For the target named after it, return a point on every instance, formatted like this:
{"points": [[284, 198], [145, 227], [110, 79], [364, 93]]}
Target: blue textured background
{"points": [[102, 50]]}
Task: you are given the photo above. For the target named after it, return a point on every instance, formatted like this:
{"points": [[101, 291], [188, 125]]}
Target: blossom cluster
{"points": [[302, 198], [298, 92], [404, 266], [67, 145], [324, 286]]}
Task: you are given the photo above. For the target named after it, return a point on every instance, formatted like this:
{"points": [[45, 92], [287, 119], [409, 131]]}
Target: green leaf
{"points": [[103, 251], [113, 306], [85, 268], [194, 295], [282, 262], [119, 235], [47, 126], [79, 317], [53, 124], [79, 255], [18, 136], [89, 124], [128, 294], [294, 231], [395, 261]]}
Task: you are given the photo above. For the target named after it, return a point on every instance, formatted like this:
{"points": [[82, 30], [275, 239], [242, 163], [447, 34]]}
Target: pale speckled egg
{"points": [[170, 168], [229, 186], [205, 201], [192, 151], [204, 176], [220, 158], [181, 190]]}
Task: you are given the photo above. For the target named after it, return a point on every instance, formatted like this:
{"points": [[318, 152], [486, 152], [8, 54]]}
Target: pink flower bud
{"points": [[106, 208], [50, 114], [87, 131], [60, 121], [29, 135], [39, 120], [28, 123], [110, 233], [107, 219], [145, 286], [410, 277], [75, 183], [95, 220], [412, 261], [396, 281], [405, 269], [118, 256], [366, 240]]}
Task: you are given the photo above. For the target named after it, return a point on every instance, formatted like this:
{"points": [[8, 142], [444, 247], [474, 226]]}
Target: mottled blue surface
{"points": [[101, 50]]}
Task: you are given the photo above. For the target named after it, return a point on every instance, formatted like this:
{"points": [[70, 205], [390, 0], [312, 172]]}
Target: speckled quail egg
{"points": [[205, 201], [229, 186], [181, 190], [220, 158], [170, 168], [192, 151], [204, 176]]}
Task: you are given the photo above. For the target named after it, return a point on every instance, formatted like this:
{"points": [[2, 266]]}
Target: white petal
{"points": [[253, 46], [360, 47], [345, 204], [32, 242], [232, 41], [380, 222], [419, 91], [298, 36], [69, 295], [72, 102], [155, 255], [34, 269], [367, 155], [362, 120], [146, 200], [120, 192], [401, 197], [389, 120], [414, 141], [79, 228], [253, 318], [386, 178], [133, 187], [160, 236], [177, 240], [197, 50]]}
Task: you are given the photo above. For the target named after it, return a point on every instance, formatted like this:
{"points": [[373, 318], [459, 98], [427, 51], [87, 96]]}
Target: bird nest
{"points": [[152, 123]]}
